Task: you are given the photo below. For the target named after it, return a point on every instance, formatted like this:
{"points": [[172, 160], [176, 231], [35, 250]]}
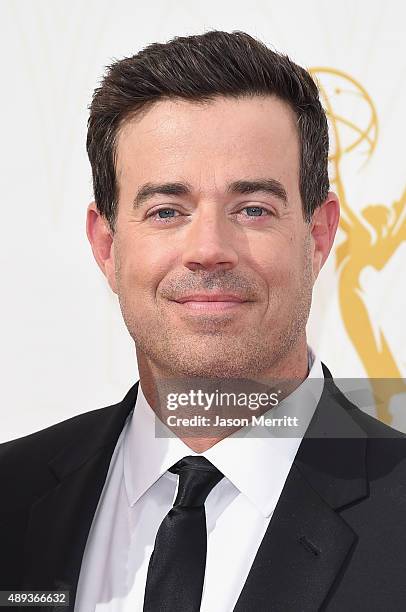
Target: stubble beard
{"points": [[220, 355]]}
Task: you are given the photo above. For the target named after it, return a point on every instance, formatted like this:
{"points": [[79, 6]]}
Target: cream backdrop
{"points": [[64, 347]]}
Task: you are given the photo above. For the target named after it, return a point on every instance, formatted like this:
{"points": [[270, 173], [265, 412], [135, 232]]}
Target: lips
{"points": [[212, 297], [211, 303]]}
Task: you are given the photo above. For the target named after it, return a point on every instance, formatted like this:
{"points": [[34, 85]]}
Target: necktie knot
{"points": [[197, 477]]}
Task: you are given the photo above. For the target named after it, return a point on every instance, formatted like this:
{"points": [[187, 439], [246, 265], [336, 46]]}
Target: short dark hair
{"points": [[201, 68]]}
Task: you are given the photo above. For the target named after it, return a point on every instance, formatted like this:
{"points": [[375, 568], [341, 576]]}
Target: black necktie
{"points": [[177, 565]]}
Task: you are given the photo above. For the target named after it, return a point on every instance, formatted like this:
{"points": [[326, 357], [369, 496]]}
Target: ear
{"points": [[101, 240], [323, 228]]}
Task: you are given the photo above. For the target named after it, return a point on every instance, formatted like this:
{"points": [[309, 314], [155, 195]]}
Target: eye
{"points": [[168, 213], [257, 211], [164, 216]]}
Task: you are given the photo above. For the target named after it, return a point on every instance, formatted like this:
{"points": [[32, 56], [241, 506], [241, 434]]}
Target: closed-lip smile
{"points": [[210, 297], [211, 303]]}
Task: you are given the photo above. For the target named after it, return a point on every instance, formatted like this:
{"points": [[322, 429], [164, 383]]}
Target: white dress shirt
{"points": [[139, 492]]}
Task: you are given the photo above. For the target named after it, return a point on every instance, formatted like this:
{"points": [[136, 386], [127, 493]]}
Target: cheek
{"points": [[275, 250], [141, 268], [278, 270], [285, 277]]}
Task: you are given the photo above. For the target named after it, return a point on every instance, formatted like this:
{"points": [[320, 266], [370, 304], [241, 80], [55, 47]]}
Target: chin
{"points": [[211, 366]]}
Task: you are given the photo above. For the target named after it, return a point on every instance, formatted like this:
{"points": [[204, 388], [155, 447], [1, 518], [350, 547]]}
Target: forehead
{"points": [[220, 138]]}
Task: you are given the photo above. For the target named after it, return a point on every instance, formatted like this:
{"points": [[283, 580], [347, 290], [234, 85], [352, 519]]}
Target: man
{"points": [[212, 219]]}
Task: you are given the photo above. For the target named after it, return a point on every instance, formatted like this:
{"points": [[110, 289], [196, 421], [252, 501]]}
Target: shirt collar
{"points": [[256, 460]]}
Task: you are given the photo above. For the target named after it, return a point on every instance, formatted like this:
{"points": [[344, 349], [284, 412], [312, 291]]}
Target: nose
{"points": [[210, 243]]}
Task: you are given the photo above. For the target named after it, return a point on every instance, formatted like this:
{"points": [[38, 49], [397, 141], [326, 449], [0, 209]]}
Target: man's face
{"points": [[217, 233]]}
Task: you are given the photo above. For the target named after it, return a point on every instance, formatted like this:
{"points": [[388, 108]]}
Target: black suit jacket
{"points": [[336, 541]]}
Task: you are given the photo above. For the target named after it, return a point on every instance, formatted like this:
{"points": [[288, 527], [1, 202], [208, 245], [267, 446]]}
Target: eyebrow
{"points": [[244, 187]]}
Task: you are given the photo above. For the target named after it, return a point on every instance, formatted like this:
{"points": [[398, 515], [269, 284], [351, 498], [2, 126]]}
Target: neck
{"points": [[293, 369]]}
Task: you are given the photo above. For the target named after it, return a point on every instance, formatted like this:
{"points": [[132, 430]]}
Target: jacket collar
{"points": [[332, 455], [101, 433]]}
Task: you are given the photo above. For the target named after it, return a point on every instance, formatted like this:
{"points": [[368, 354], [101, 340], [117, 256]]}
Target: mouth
{"points": [[210, 303]]}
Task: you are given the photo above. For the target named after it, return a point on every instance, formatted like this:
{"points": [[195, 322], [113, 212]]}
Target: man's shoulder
{"points": [[26, 460], [29, 453], [373, 427], [49, 440], [376, 428], [386, 446]]}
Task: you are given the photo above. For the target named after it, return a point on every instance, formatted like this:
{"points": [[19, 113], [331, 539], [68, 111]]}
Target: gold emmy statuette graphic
{"points": [[371, 238]]}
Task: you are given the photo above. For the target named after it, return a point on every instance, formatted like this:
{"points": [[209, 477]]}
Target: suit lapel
{"points": [[307, 542], [300, 555], [54, 547]]}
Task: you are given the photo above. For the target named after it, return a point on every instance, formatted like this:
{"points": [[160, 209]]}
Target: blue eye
{"points": [[165, 210], [167, 214], [164, 216], [257, 210]]}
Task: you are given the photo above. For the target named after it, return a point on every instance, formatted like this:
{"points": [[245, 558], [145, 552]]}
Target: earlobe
{"points": [[317, 264], [101, 241]]}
